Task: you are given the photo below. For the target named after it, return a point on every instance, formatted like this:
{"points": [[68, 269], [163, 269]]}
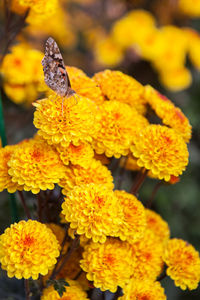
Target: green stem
{"points": [[13, 203]]}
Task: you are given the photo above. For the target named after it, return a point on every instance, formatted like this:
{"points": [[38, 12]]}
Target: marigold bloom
{"points": [[177, 79], [28, 249], [190, 7], [81, 155], [147, 255], [22, 73], [118, 86], [134, 220], [35, 165], [193, 46], [157, 225], [119, 123], [183, 263], [93, 210], [159, 149], [5, 179], [109, 265], [143, 290], [129, 162], [95, 173], [72, 292], [168, 112], [63, 124]]}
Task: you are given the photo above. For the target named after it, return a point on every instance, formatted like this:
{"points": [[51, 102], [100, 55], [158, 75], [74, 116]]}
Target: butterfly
{"points": [[55, 74]]}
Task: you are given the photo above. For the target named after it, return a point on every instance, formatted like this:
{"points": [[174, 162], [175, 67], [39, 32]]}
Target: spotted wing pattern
{"points": [[55, 74]]}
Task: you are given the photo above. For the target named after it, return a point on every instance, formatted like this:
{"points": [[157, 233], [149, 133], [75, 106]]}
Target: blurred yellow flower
{"points": [[176, 79], [67, 122], [5, 179], [81, 155], [193, 46], [72, 292], [147, 256], [183, 264], [190, 7], [143, 290], [157, 225], [116, 85], [93, 210], [22, 73], [168, 112], [35, 165], [95, 173], [134, 220], [28, 249], [109, 265], [159, 149], [119, 124], [129, 162]]}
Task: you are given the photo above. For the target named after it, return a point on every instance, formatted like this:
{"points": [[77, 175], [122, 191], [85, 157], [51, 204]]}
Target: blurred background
{"points": [[156, 42]]}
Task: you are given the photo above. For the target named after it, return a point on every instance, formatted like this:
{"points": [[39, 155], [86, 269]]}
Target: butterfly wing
{"points": [[55, 74]]}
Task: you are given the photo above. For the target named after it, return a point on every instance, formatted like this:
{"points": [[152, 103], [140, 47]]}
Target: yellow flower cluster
{"points": [[28, 249], [72, 292], [36, 166], [161, 150], [22, 73], [95, 173], [183, 264], [189, 7], [109, 265], [153, 44]]}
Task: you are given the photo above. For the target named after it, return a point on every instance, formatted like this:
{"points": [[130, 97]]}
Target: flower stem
{"points": [[26, 209], [139, 181], [27, 289], [156, 188]]}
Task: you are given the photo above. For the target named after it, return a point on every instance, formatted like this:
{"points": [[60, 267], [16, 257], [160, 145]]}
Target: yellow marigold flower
{"points": [[183, 264], [129, 162], [109, 265], [84, 85], [63, 124], [147, 255], [193, 46], [81, 155], [143, 290], [157, 225], [168, 112], [118, 86], [28, 249], [140, 19], [190, 7], [107, 52], [22, 73], [93, 210], [95, 173], [5, 179], [72, 292], [119, 123], [134, 220], [36, 166], [58, 231], [177, 79], [159, 149]]}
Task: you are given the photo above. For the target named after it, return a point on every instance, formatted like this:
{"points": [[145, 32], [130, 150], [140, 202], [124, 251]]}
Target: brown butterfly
{"points": [[55, 74]]}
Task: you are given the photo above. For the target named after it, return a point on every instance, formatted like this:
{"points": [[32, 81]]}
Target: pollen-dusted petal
{"points": [[5, 178], [93, 210], [134, 219], [95, 173], [147, 254], [64, 120], [161, 150], [183, 264], [143, 290], [108, 265], [35, 165], [168, 112], [118, 86], [119, 124], [28, 249], [81, 155], [72, 292]]}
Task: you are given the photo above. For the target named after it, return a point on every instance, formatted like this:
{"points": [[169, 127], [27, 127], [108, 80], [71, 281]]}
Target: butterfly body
{"points": [[55, 74]]}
